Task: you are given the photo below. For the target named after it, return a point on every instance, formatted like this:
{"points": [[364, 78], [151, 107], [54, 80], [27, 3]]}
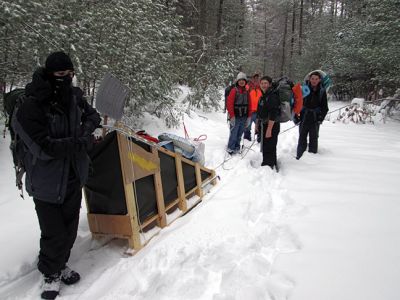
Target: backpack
{"points": [[285, 94], [241, 104], [282, 88], [12, 101], [227, 91], [9, 103]]}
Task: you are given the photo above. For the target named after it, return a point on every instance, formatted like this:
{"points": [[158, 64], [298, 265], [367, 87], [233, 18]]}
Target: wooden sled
{"points": [[135, 185]]}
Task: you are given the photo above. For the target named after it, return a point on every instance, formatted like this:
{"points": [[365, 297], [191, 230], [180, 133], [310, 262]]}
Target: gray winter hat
{"points": [[240, 76]]}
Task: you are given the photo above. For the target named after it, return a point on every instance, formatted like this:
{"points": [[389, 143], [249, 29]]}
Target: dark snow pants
{"points": [[59, 226], [310, 129], [269, 145]]}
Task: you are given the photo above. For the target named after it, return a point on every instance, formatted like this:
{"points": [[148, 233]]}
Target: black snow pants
{"points": [[269, 145], [308, 128], [59, 225]]}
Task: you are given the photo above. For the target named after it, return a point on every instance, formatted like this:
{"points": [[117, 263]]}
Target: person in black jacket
{"points": [[56, 124], [315, 108], [267, 113]]}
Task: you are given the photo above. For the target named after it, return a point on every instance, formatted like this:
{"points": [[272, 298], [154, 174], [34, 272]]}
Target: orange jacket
{"points": [[298, 98], [255, 95]]}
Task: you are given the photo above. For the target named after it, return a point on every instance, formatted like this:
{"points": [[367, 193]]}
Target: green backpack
{"points": [[285, 94]]}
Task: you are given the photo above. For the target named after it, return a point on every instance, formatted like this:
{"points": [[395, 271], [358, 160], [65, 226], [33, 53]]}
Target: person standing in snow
{"points": [[255, 94], [238, 106], [56, 124], [315, 108], [267, 112], [255, 81]]}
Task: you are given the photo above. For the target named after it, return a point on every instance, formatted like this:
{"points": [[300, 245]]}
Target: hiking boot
{"points": [[69, 276], [51, 286], [247, 137]]}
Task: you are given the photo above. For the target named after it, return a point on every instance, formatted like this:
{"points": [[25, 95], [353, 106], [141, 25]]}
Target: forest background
{"points": [[152, 46]]}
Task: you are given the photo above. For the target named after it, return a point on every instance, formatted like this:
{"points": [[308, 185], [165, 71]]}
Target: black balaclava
{"points": [[59, 61]]}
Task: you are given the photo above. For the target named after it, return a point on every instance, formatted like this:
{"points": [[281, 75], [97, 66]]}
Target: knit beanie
{"points": [[58, 61], [240, 76]]}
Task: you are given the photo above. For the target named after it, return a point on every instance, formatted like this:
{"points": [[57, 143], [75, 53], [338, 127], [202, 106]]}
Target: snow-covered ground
{"points": [[326, 227]]}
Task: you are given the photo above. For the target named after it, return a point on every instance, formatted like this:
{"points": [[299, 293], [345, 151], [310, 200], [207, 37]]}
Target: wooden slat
{"points": [[172, 204], [181, 183], [148, 221], [199, 190], [191, 192], [213, 175], [134, 241], [163, 150], [162, 218], [110, 224]]}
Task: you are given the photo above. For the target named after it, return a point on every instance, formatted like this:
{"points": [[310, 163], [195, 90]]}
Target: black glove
{"points": [[290, 83], [296, 119], [87, 128], [232, 122], [84, 143], [320, 119]]}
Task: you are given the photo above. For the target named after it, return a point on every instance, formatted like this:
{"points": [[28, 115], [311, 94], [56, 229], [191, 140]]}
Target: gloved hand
{"points": [[84, 143], [232, 121], [87, 129], [320, 120], [290, 83], [296, 119], [248, 120]]}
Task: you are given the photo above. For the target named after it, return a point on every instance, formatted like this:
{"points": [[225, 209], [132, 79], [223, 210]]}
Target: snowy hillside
{"points": [[326, 227]]}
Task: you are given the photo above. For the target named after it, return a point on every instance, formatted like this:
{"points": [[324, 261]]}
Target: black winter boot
{"points": [[69, 276], [51, 286]]}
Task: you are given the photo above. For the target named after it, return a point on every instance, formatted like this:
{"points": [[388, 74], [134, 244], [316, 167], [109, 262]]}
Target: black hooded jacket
{"points": [[52, 127], [315, 105], [268, 106]]}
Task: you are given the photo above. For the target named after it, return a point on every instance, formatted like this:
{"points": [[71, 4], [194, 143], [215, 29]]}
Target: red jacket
{"points": [[231, 101]]}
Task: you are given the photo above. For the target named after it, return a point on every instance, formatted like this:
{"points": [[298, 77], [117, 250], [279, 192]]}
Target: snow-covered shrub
{"points": [[358, 101], [356, 114], [374, 112]]}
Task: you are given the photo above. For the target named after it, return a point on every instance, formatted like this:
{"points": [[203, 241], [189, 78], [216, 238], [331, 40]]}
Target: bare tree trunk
{"points": [[93, 91], [336, 8], [313, 7], [284, 43], [292, 36], [265, 46], [321, 7], [342, 3], [219, 24], [202, 22], [241, 23], [5, 62], [301, 27]]}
